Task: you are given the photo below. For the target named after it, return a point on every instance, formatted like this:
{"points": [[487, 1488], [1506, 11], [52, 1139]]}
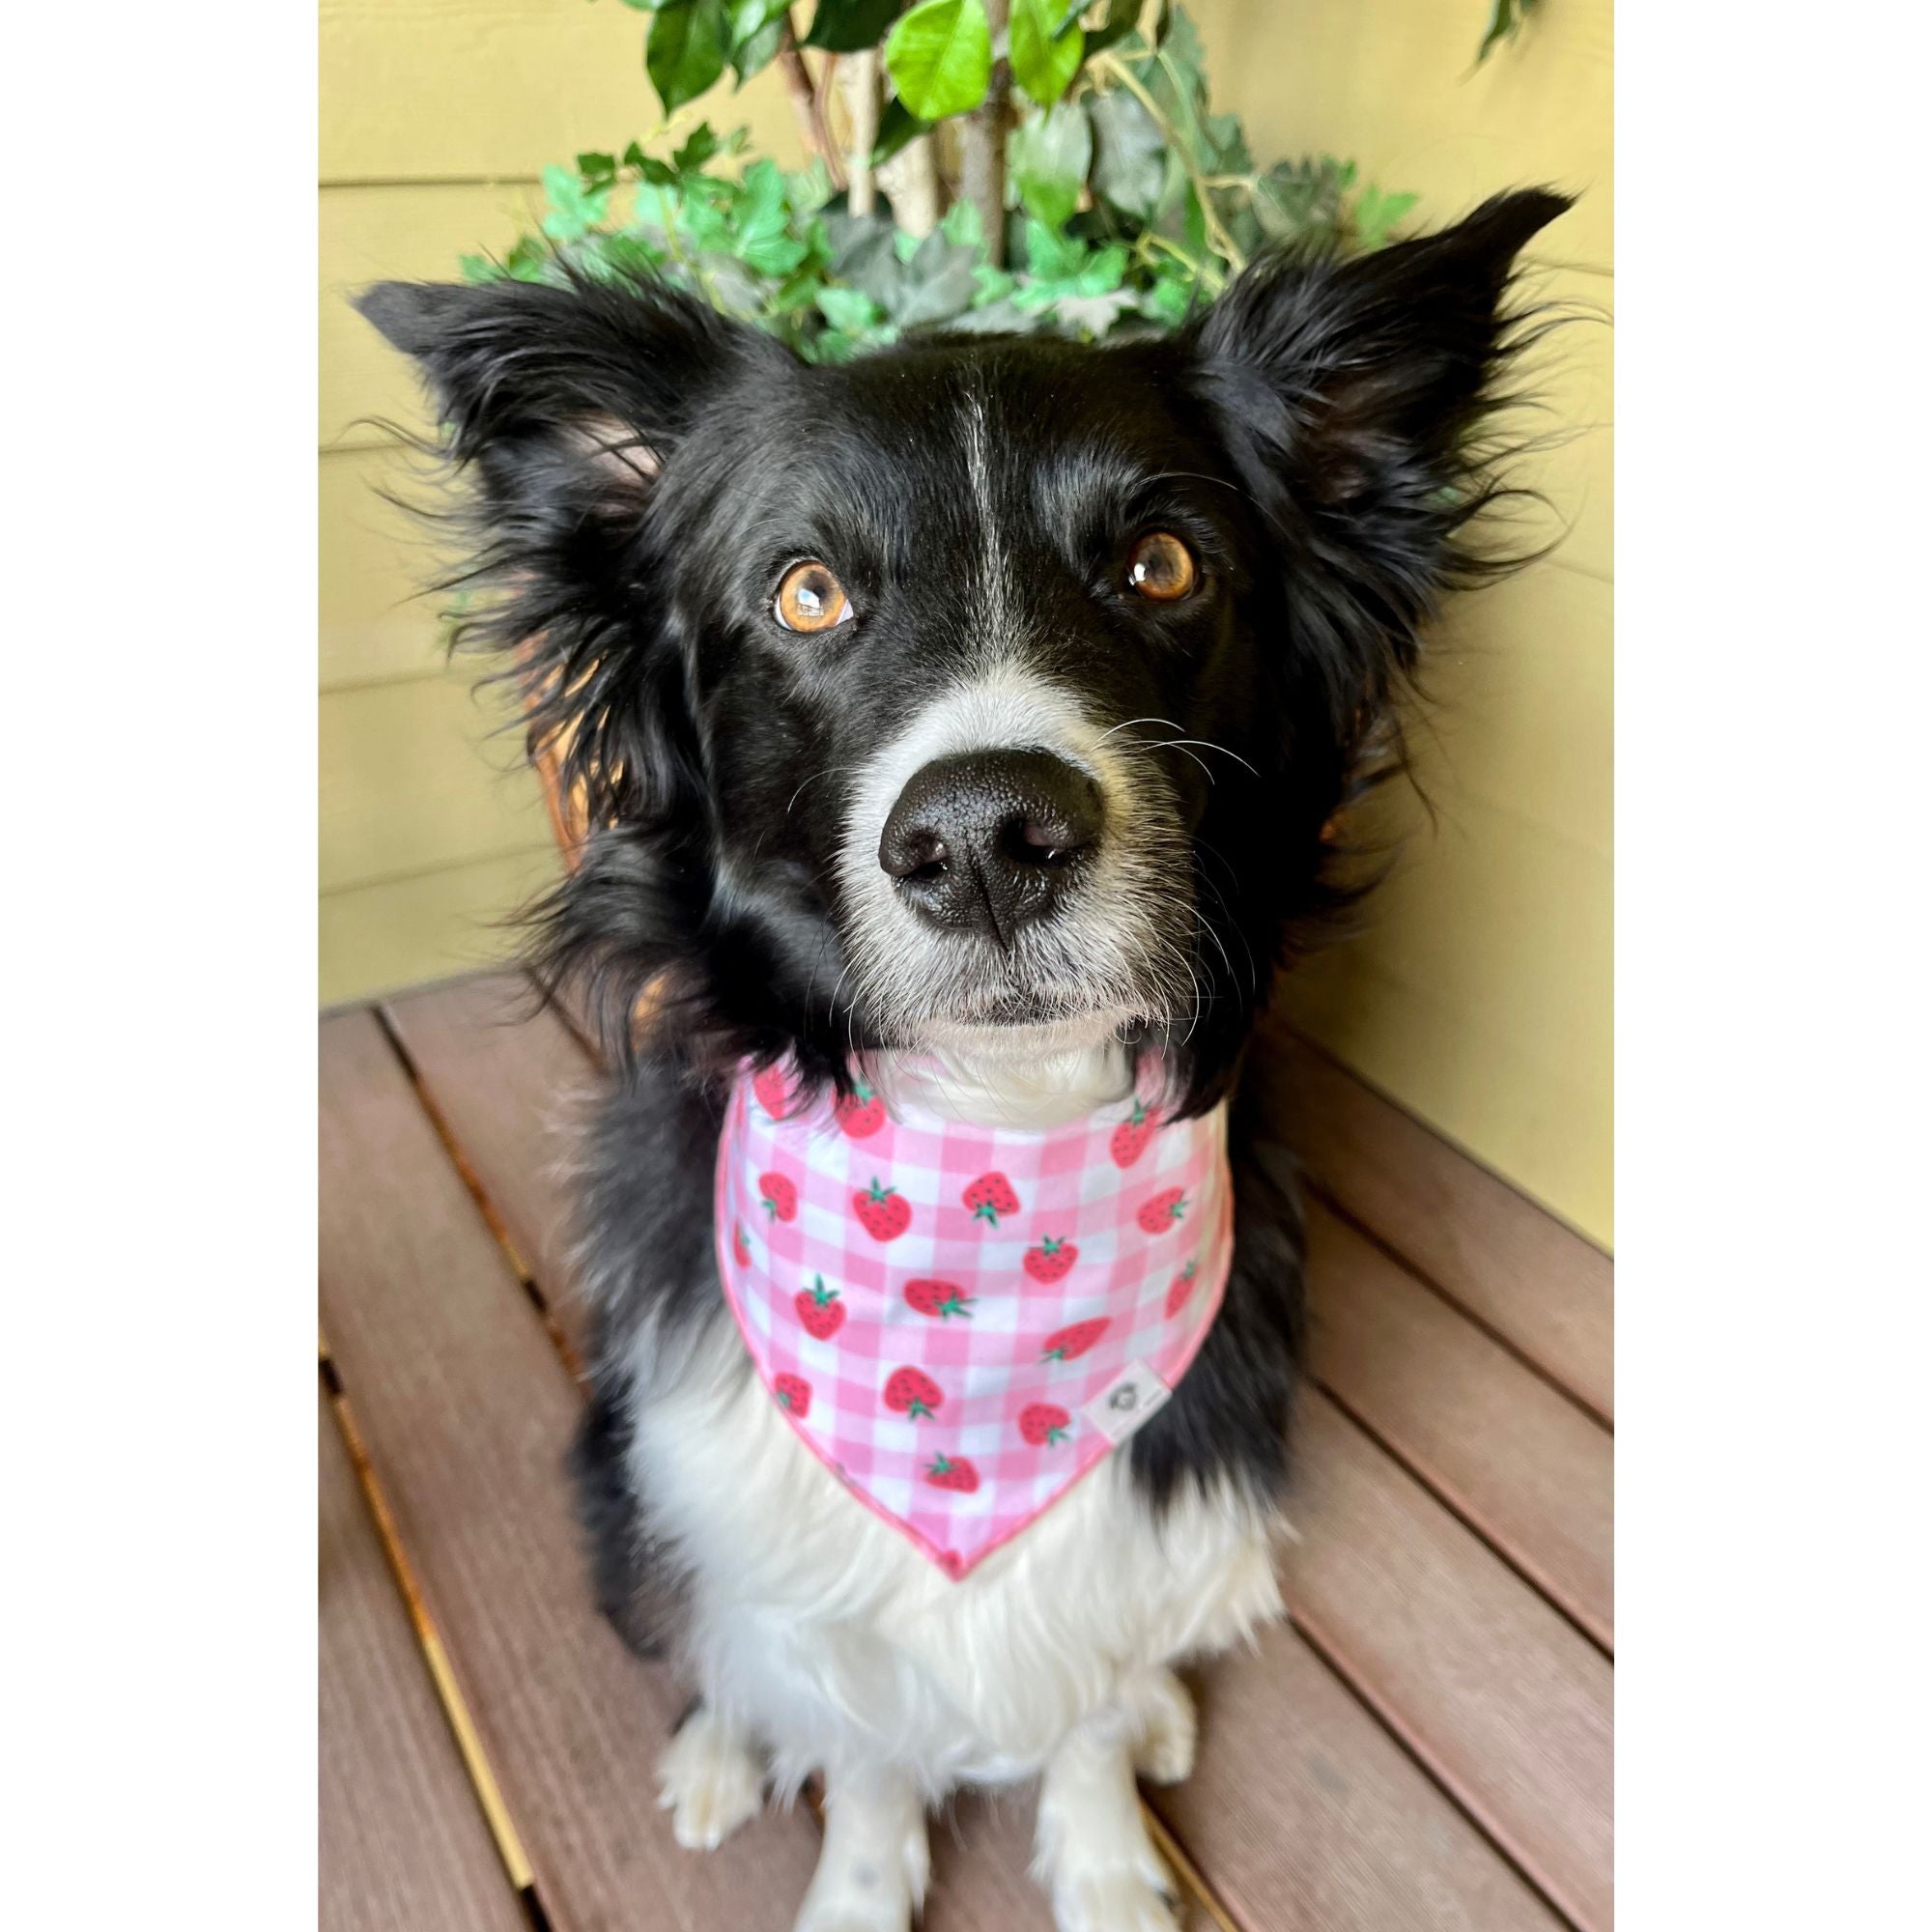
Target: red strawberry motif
{"points": [[1162, 1210], [820, 1312], [1044, 1423], [779, 1195], [794, 1393], [1131, 1136], [860, 1112], [1182, 1286], [1050, 1261], [1066, 1345], [941, 1299], [883, 1213], [773, 1093], [991, 1196], [912, 1394], [952, 1472], [741, 1251]]}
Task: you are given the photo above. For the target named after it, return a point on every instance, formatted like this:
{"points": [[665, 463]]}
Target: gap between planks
{"points": [[503, 1833], [1195, 1889]]}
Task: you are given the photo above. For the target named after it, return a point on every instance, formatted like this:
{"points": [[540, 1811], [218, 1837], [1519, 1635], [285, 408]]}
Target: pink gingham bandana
{"points": [[963, 1320]]}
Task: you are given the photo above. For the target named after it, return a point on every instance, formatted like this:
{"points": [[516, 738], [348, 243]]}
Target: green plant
{"points": [[1046, 167]]}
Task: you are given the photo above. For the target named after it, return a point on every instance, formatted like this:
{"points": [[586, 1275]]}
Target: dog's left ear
{"points": [[1351, 390]]}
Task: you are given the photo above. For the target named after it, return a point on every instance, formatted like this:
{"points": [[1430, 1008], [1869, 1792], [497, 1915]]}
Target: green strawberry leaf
{"points": [[940, 57]]}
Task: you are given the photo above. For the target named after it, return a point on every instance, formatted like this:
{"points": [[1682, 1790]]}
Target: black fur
{"points": [[644, 470]]}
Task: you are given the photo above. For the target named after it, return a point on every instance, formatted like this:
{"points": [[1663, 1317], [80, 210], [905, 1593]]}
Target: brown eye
{"points": [[811, 599], [1161, 568]]}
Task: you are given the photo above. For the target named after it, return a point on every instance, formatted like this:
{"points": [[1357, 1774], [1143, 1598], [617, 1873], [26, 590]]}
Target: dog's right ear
{"points": [[575, 392], [559, 405]]}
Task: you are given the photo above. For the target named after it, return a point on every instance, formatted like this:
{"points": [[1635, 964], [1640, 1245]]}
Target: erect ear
{"points": [[583, 387], [561, 404], [1354, 387]]}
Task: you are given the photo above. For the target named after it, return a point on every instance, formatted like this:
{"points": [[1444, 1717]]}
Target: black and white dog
{"points": [[1129, 622]]}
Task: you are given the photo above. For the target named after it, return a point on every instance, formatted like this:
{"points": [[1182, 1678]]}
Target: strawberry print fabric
{"points": [[963, 1321]]}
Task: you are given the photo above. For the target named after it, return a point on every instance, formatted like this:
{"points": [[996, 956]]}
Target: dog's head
{"points": [[982, 694]]}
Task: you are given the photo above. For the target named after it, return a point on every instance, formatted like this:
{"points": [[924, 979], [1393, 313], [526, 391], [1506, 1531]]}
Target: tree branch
{"points": [[813, 136], [982, 145]]}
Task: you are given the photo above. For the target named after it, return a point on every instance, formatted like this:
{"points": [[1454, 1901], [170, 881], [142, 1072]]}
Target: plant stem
{"points": [[983, 147], [814, 136], [1118, 71]]}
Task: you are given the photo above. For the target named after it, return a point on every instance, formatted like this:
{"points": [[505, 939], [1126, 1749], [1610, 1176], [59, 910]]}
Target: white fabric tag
{"points": [[1126, 1402]]}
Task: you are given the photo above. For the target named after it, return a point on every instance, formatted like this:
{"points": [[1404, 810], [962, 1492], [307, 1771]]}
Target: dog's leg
{"points": [[1164, 1716], [1090, 1845], [709, 1780], [872, 1869]]}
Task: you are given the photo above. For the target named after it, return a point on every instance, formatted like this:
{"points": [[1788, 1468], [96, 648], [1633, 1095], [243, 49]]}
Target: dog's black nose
{"points": [[987, 840]]}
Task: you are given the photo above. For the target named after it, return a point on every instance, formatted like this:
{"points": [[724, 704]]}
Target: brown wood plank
{"points": [[404, 1846], [466, 1410], [1305, 1814], [498, 1084], [1543, 1288], [1505, 1702], [1530, 1470], [509, 1083]]}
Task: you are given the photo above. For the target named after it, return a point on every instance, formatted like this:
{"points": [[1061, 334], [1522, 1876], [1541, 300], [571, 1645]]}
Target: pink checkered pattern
{"points": [[961, 1322]]}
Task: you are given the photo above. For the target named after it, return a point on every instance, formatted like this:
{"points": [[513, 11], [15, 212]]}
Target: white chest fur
{"points": [[826, 1634]]}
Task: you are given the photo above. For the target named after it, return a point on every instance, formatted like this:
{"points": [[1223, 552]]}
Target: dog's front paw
{"points": [[1165, 1753], [708, 1781], [1123, 1899]]}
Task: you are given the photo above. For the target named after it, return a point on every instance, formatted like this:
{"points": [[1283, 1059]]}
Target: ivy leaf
{"points": [[573, 209], [479, 269], [962, 227], [527, 260], [850, 26], [896, 126], [1047, 158], [850, 310], [686, 50], [941, 282], [1044, 60], [1129, 154], [597, 170], [940, 57], [1093, 315], [763, 239], [1376, 213], [690, 160], [1169, 301]]}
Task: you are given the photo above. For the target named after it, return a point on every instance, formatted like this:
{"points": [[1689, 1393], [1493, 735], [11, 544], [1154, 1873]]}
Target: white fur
{"points": [[1114, 951], [825, 1635]]}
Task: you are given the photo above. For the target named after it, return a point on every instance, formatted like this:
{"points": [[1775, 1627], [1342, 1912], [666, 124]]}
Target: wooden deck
{"points": [[1426, 1748]]}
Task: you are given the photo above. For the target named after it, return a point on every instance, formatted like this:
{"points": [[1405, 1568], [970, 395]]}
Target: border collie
{"points": [[961, 730]]}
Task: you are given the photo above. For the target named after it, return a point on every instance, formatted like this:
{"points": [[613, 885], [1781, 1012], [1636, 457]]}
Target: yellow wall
{"points": [[437, 119], [1480, 995]]}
